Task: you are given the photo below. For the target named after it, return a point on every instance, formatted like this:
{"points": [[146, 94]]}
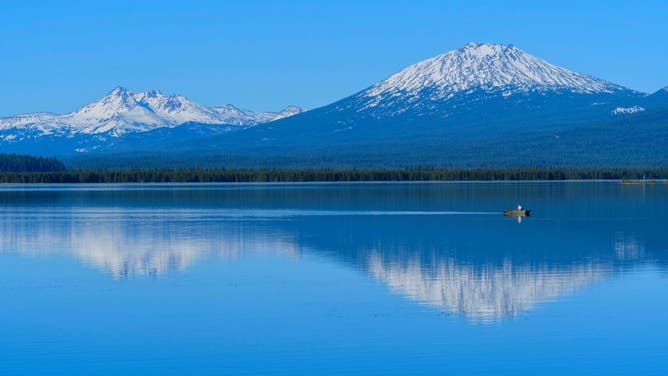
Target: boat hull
{"points": [[517, 213]]}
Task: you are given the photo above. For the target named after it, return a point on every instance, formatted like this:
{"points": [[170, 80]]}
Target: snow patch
{"points": [[627, 110]]}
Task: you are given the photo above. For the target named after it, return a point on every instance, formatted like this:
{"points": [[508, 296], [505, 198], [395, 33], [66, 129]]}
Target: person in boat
{"points": [[518, 211]]}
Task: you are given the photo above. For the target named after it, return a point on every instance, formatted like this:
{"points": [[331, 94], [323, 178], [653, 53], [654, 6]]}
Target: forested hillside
{"points": [[27, 163]]}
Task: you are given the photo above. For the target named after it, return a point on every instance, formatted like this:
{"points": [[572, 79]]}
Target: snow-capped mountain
{"points": [[478, 69], [116, 113], [488, 67], [468, 106], [477, 85], [236, 116], [122, 111]]}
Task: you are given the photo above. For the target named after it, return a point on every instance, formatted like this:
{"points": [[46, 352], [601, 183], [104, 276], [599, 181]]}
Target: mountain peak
{"points": [[485, 48], [487, 67], [119, 99], [152, 93], [119, 91], [290, 110], [239, 116], [228, 107], [660, 93]]}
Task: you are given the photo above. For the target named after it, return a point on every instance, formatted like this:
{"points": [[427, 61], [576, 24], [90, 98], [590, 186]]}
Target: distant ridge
{"points": [[481, 105], [122, 111]]}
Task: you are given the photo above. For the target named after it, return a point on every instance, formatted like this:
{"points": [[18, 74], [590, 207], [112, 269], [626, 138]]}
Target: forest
{"points": [[56, 174], [28, 163]]}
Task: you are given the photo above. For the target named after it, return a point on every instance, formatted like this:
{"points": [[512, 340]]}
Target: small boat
{"points": [[517, 212]]}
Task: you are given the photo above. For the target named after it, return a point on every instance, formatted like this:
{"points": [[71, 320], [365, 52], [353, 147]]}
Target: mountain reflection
{"points": [[150, 243], [479, 266], [485, 292], [131, 244]]}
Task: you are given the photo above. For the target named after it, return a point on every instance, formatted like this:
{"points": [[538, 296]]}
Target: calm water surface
{"points": [[345, 279]]}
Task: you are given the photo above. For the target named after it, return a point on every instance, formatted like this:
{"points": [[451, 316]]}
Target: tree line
{"points": [[28, 163], [224, 175]]}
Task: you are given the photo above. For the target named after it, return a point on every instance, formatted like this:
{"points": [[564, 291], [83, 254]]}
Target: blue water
{"points": [[341, 279]]}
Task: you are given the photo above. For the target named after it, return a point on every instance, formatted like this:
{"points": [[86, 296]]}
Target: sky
{"points": [[264, 55]]}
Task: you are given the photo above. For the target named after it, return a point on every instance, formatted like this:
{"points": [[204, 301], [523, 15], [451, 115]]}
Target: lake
{"points": [[345, 279]]}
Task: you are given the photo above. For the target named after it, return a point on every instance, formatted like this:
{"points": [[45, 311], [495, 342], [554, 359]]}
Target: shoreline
{"points": [[623, 175]]}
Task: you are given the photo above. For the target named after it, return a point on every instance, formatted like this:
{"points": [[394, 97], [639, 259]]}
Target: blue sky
{"points": [[263, 55]]}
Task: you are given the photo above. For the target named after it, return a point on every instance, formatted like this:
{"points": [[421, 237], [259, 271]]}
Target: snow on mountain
{"points": [[122, 111], [291, 110], [49, 122], [487, 67], [238, 116], [177, 108], [627, 110], [116, 113]]}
